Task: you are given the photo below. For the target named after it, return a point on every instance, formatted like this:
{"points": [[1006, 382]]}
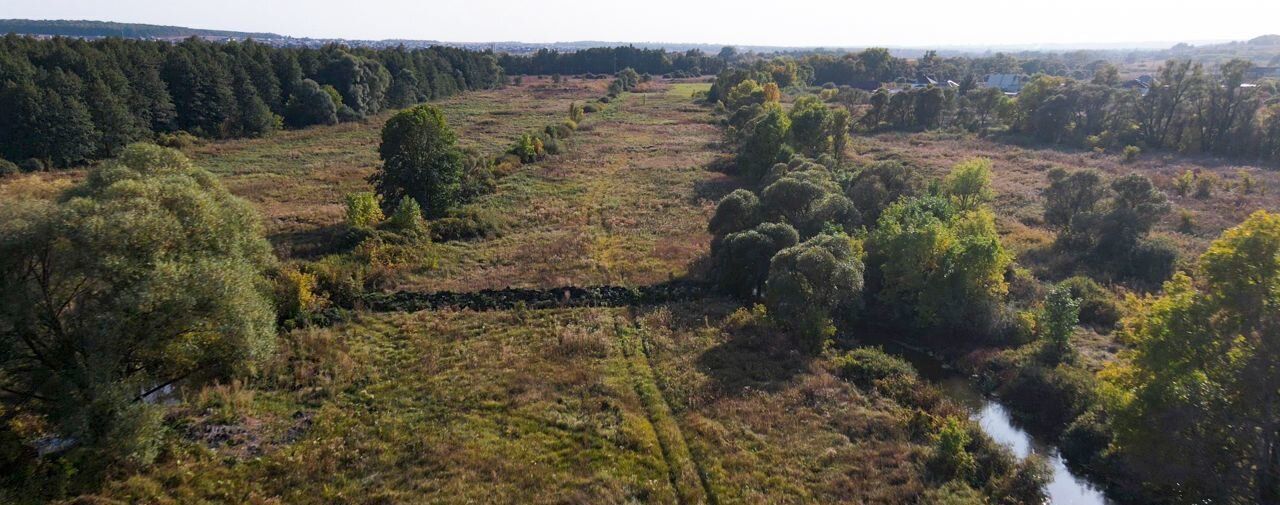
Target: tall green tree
{"points": [[308, 105], [810, 281], [969, 184], [809, 125], [1203, 376], [765, 141], [938, 268], [420, 160]]}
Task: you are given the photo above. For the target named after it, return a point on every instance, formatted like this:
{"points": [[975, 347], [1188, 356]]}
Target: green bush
{"points": [[551, 146], [1184, 183], [8, 168], [563, 130], [951, 459], [591, 107], [865, 366], [953, 493], [479, 176], [295, 295], [407, 219], [1153, 261], [1131, 153], [1205, 184], [1087, 438], [576, 112], [464, 225], [32, 165], [178, 140], [363, 211], [1050, 398], [1098, 307]]}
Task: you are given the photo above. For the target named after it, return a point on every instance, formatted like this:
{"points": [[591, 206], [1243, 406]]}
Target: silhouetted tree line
{"points": [[610, 60], [64, 101]]}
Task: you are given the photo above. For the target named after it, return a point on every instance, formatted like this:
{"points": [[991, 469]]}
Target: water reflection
{"points": [[1064, 488]]}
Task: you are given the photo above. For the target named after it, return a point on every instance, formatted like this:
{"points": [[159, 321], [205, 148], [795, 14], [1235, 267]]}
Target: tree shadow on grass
{"points": [[754, 356], [737, 367], [313, 243]]}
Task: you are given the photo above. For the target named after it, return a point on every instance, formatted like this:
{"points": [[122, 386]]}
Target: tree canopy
{"points": [[1203, 370], [419, 160], [147, 274]]}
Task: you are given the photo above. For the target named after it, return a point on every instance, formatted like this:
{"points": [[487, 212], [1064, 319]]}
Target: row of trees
{"points": [[64, 101], [1188, 108], [610, 60], [871, 67], [928, 260]]}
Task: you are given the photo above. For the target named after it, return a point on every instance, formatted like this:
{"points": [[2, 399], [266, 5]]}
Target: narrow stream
{"points": [[1064, 488]]}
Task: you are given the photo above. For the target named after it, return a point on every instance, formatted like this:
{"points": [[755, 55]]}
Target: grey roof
{"points": [[1007, 82]]}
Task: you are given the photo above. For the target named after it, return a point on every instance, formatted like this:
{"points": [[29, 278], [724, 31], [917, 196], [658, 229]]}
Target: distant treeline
{"points": [[64, 101], [610, 60], [1186, 106], [70, 28]]}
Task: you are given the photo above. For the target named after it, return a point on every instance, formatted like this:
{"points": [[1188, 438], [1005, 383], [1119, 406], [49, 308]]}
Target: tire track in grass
{"points": [[696, 457], [685, 475], [685, 469]]}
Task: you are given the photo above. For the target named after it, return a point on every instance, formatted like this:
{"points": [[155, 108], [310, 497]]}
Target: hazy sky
{"points": [[749, 22]]}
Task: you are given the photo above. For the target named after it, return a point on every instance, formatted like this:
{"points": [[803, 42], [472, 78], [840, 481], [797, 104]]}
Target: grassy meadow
{"points": [[594, 405], [667, 404]]}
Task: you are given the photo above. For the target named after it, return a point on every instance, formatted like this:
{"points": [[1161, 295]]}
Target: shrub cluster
{"points": [[1104, 226]]}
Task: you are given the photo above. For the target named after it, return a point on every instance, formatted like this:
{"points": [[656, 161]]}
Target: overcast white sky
{"points": [[748, 22]]}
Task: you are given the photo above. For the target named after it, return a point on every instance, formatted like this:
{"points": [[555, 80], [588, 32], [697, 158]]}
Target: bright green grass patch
{"points": [[686, 90]]}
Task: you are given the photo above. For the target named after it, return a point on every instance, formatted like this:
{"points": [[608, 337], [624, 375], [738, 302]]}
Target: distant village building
{"points": [[1138, 84], [1009, 83], [923, 82]]}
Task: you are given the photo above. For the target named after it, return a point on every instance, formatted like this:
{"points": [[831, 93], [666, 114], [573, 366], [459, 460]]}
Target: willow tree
{"points": [[146, 276]]}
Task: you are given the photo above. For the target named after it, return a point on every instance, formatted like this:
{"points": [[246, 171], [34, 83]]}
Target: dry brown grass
{"points": [[1020, 173], [627, 204]]}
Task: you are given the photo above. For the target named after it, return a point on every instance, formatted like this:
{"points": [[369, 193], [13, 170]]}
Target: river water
{"points": [[1064, 488]]}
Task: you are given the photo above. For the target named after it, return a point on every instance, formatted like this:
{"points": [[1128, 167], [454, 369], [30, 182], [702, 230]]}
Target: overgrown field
{"points": [[660, 405], [686, 402], [1019, 173]]}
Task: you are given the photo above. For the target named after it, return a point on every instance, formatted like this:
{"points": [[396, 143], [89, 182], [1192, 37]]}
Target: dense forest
{"points": [[64, 101]]}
